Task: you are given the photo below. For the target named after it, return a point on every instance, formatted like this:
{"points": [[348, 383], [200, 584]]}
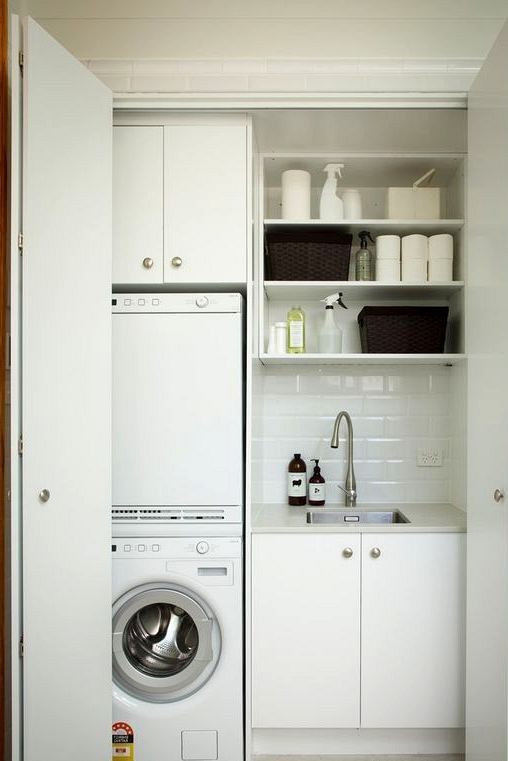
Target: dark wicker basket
{"points": [[307, 254], [403, 330]]}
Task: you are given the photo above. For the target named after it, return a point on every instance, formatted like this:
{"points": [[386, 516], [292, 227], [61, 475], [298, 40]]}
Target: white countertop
{"points": [[423, 517]]}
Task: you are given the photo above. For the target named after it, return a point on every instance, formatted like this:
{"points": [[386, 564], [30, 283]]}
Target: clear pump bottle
{"points": [[364, 258]]}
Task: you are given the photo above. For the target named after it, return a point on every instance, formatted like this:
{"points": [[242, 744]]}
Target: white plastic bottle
{"points": [[331, 208], [329, 333]]}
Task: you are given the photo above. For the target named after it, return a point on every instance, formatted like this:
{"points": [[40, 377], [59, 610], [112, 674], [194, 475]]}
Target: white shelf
{"points": [[361, 359], [311, 290], [374, 226]]}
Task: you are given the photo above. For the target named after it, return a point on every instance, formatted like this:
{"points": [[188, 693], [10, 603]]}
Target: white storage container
{"points": [[414, 202]]}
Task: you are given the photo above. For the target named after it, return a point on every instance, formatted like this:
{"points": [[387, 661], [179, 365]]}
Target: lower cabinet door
{"points": [[413, 630], [305, 630]]}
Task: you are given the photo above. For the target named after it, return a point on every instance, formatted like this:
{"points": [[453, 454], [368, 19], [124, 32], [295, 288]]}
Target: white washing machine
{"points": [[178, 649]]}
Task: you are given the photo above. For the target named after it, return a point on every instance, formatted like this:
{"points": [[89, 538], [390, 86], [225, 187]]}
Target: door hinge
{"points": [[20, 243], [21, 647], [21, 59], [20, 445]]}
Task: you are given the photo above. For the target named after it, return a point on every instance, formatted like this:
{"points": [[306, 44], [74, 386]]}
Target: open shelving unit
{"points": [[372, 175]]}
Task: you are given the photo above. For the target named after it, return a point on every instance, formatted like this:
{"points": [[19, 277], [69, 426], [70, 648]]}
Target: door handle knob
{"points": [[148, 263], [44, 495], [347, 552], [176, 261], [375, 552], [498, 495]]}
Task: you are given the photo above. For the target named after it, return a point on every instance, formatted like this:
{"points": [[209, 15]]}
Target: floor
{"points": [[452, 757]]}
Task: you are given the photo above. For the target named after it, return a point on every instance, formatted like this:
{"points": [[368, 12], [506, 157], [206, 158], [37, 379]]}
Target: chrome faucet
{"points": [[349, 487]]}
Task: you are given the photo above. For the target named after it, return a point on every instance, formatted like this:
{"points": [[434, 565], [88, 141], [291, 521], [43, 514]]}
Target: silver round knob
{"points": [[148, 263], [375, 552], [347, 552], [44, 495], [176, 261], [498, 495]]}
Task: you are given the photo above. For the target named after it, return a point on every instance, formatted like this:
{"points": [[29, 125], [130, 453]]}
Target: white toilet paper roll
{"points": [[440, 270], [415, 247], [295, 194], [414, 270], [388, 247], [388, 270], [441, 246]]}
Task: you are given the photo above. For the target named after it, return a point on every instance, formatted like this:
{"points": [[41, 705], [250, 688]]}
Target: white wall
{"points": [[394, 410], [271, 28]]}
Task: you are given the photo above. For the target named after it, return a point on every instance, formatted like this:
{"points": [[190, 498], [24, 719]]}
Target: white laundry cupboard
{"points": [[180, 209], [358, 630], [63, 416]]}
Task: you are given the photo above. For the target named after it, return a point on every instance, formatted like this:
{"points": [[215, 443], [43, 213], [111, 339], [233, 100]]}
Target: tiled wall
{"points": [[394, 410]]}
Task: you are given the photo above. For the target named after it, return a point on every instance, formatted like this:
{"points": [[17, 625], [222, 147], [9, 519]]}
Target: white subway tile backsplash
{"points": [[394, 413]]}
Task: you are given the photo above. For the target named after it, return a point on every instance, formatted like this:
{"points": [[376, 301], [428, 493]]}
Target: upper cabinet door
{"points": [[138, 171], [205, 203], [66, 403], [487, 446]]}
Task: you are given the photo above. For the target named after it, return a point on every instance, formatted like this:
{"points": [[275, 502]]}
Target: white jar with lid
{"points": [[280, 337], [352, 202]]}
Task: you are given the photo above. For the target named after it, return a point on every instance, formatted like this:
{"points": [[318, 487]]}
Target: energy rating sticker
{"points": [[122, 741]]}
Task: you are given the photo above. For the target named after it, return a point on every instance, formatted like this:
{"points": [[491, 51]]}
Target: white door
{"points": [[413, 648], [138, 169], [205, 201], [65, 393], [487, 320], [305, 631]]}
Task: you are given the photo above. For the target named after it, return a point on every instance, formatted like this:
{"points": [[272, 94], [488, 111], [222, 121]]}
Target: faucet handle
{"points": [[350, 496]]}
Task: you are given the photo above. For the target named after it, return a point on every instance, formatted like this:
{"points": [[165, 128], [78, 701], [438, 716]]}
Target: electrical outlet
{"points": [[429, 458]]}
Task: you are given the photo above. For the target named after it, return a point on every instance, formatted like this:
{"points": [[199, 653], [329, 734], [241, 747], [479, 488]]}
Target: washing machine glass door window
{"points": [[166, 643], [161, 639]]}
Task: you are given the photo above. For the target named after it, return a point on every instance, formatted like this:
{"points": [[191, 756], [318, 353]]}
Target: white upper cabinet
{"points": [[138, 214], [180, 202]]}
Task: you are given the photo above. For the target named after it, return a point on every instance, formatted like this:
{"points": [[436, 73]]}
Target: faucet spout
{"points": [[349, 487]]}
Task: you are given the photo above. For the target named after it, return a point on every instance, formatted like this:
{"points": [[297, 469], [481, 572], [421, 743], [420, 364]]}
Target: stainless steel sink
{"points": [[353, 516]]}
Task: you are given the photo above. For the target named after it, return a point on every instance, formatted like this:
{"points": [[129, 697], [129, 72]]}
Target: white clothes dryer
{"points": [[178, 649]]}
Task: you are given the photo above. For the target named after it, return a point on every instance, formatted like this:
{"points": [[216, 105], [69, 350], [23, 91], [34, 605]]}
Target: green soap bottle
{"points": [[296, 331]]}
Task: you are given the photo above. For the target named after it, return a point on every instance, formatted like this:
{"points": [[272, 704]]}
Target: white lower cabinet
{"points": [[353, 630], [305, 630]]}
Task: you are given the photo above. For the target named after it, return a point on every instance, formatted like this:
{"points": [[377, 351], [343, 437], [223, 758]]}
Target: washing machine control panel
{"points": [[181, 547]]}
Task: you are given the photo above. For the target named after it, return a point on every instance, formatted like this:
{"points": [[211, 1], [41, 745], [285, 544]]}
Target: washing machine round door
{"points": [[166, 643]]}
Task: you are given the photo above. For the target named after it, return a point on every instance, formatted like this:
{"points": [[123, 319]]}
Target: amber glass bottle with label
{"points": [[297, 481]]}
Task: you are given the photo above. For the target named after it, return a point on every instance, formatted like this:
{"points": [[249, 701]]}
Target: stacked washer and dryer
{"points": [[178, 486]]}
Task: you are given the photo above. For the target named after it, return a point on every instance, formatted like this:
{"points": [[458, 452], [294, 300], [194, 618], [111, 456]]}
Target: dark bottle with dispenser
{"points": [[297, 481], [316, 487]]}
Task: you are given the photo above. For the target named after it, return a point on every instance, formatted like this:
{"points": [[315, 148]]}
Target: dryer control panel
{"points": [[178, 547]]}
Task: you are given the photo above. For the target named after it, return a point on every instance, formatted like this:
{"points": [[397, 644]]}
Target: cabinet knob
{"points": [[176, 261], [498, 495], [375, 552], [44, 495], [347, 552], [148, 263]]}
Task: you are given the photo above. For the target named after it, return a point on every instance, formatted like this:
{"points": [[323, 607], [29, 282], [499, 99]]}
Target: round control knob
{"points": [[375, 552], [202, 547], [176, 261], [347, 552], [148, 263], [202, 301]]}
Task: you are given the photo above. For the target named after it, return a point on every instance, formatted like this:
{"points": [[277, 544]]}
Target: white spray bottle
{"points": [[329, 333], [330, 207]]}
